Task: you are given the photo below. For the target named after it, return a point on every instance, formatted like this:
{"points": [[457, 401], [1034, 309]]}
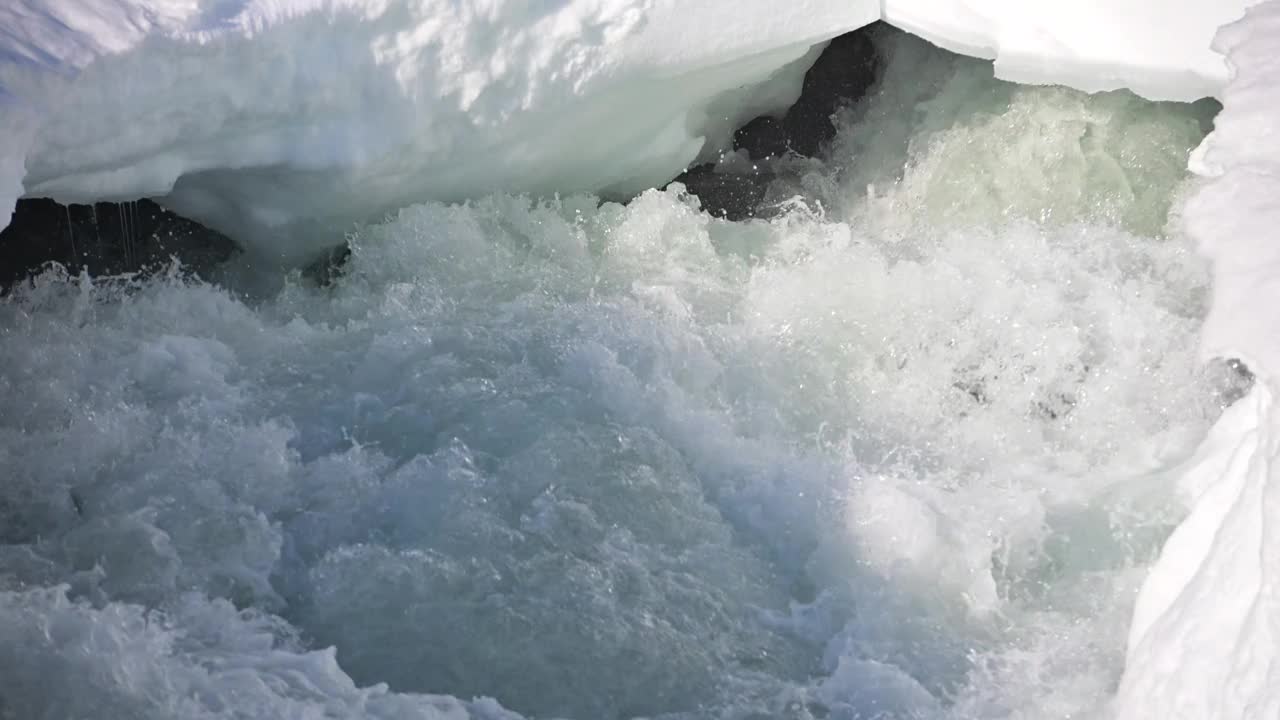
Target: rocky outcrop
{"points": [[844, 72], [104, 239]]}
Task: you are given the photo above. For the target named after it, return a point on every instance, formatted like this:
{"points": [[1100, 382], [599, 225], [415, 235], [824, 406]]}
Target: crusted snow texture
{"points": [[275, 121], [281, 122], [1156, 48], [1205, 639]]}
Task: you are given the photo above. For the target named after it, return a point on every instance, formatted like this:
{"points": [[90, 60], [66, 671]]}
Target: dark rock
{"points": [[764, 137], [732, 196], [326, 269], [105, 239], [1235, 380], [842, 74]]}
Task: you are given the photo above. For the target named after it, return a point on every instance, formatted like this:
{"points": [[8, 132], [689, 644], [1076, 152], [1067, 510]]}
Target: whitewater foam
{"points": [[885, 454]]}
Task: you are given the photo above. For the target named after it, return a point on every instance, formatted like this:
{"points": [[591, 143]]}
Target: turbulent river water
{"points": [[902, 451]]}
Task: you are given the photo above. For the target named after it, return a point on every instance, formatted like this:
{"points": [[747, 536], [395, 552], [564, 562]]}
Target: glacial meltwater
{"points": [[902, 450]]}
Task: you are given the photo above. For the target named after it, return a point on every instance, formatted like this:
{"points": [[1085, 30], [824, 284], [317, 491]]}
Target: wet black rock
{"points": [[105, 239], [844, 73], [732, 196], [326, 269], [841, 75], [1235, 380]]}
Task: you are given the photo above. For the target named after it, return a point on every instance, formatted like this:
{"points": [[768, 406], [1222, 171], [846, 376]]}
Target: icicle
{"points": [[97, 230], [133, 236], [124, 237], [133, 224], [133, 230], [71, 235]]}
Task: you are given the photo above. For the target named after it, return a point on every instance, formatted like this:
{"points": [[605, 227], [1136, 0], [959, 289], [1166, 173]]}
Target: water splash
{"points": [[896, 453]]}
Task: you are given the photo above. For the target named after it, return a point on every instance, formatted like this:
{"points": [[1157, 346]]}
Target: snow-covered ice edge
{"points": [[1205, 639], [281, 122]]}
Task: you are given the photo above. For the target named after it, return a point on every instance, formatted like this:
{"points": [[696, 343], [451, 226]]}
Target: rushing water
{"points": [[901, 452]]}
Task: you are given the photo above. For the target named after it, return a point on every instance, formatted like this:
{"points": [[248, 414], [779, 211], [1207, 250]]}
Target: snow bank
{"points": [[280, 122], [1205, 640], [273, 120], [1158, 49]]}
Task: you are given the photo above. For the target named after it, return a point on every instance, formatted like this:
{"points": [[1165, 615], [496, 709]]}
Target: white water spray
{"points": [[896, 458]]}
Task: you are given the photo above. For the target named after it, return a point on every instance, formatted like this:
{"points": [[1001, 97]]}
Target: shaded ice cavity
{"points": [[897, 453]]}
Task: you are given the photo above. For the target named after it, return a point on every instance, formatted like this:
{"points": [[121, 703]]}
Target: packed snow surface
{"points": [[1157, 48], [1205, 642], [900, 452], [281, 123]]}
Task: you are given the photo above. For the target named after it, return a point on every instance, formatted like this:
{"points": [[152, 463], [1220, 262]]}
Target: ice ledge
{"points": [[1156, 48], [1205, 639], [280, 122]]}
